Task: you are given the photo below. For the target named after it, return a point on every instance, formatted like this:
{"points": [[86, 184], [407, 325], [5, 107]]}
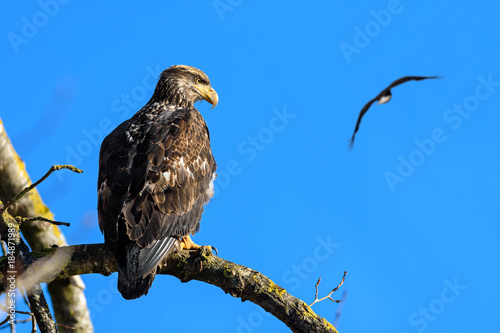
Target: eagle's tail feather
{"points": [[137, 266], [131, 289]]}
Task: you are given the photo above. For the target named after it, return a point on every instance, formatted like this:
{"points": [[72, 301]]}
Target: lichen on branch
{"points": [[236, 280]]}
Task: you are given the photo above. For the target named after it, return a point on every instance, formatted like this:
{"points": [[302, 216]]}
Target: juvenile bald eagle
{"points": [[156, 172], [384, 97]]}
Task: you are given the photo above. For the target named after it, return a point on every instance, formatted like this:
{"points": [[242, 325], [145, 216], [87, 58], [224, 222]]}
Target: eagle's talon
{"points": [[209, 249], [187, 244], [213, 248]]}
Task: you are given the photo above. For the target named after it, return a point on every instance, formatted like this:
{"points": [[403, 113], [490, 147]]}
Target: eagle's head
{"points": [[183, 86]]}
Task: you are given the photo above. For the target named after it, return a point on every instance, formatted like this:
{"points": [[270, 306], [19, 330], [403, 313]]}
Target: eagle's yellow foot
{"points": [[187, 244]]}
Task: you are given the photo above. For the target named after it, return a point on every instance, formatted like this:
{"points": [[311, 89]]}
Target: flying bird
{"points": [[156, 173], [384, 97]]}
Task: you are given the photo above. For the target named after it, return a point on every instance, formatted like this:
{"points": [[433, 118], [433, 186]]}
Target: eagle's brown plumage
{"points": [[156, 172]]}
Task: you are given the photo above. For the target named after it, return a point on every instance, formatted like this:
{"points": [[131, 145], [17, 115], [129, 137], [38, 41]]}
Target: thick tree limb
{"points": [[237, 280], [68, 298]]}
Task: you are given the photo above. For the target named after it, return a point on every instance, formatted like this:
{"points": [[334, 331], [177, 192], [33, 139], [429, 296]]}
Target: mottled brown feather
{"points": [[154, 172]]}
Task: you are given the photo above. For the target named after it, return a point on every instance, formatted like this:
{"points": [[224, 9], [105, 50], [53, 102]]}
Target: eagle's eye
{"points": [[197, 80]]}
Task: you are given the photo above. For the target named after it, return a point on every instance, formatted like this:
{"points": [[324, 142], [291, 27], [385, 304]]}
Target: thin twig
{"points": [[21, 321], [33, 323], [39, 218], [316, 286], [6, 309], [316, 300], [66, 326], [31, 318], [3, 323], [32, 186]]}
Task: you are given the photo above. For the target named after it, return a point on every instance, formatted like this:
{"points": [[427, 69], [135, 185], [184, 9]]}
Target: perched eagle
{"points": [[156, 172], [384, 97]]}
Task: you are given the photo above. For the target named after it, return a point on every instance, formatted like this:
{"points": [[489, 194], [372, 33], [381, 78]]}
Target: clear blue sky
{"points": [[411, 213]]}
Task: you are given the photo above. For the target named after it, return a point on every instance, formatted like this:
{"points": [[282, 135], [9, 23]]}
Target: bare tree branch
{"points": [[329, 296], [32, 186], [67, 296], [39, 218], [5, 309], [19, 259], [237, 280], [19, 321], [38, 304]]}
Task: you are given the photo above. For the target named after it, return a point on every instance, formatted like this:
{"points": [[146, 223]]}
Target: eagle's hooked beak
{"points": [[208, 93]]}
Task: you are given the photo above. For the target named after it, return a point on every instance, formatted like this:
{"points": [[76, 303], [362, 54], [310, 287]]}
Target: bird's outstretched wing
{"points": [[361, 114], [385, 93], [408, 78]]}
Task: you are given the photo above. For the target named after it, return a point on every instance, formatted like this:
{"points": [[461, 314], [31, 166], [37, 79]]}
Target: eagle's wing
{"points": [[383, 93], [154, 179], [408, 78], [361, 114]]}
